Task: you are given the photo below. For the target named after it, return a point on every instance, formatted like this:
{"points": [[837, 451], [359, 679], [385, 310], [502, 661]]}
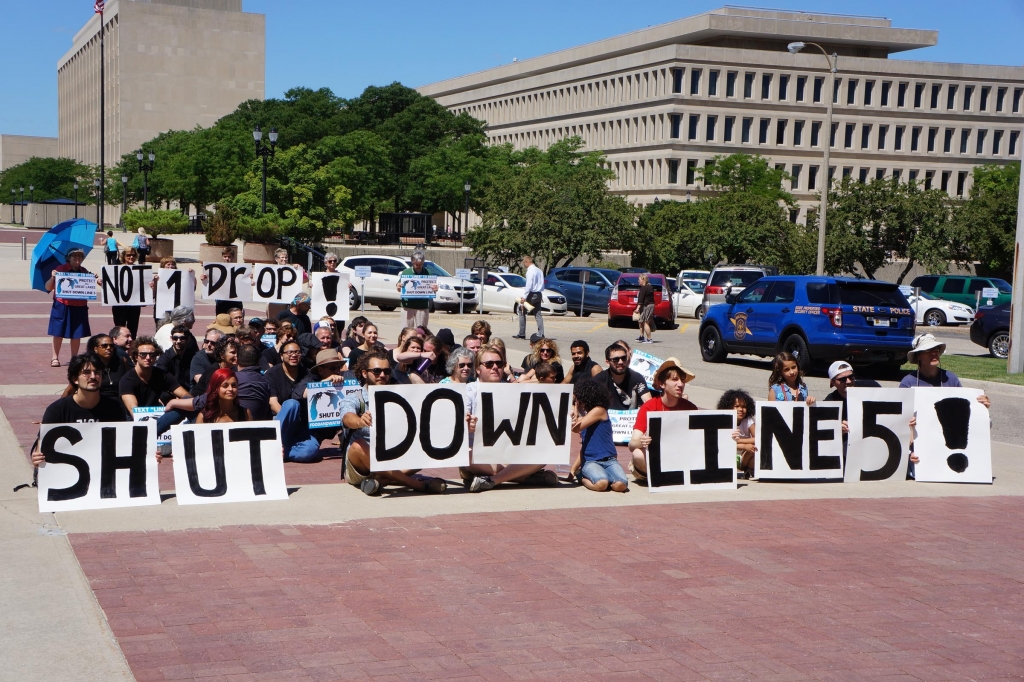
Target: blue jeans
{"points": [[603, 470], [299, 444], [172, 418]]}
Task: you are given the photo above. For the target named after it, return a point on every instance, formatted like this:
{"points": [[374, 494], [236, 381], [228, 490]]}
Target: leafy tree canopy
{"points": [[52, 179]]}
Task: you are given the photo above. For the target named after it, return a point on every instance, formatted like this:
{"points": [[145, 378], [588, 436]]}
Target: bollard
{"points": [[24, 249]]}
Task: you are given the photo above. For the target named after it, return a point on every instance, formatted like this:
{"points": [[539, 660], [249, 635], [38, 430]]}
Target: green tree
{"points": [[670, 237], [746, 227], [746, 173], [989, 217], [52, 179]]}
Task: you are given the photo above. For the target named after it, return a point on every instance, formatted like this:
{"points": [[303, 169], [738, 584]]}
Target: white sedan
{"points": [[935, 312], [689, 298], [502, 291]]}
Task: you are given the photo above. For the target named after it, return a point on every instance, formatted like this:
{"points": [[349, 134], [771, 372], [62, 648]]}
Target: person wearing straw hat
{"points": [[301, 443], [671, 379], [222, 323]]}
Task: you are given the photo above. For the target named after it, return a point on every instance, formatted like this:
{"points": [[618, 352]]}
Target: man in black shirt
{"points": [[298, 314], [582, 366], [627, 388], [122, 337], [146, 385], [177, 360], [284, 375], [86, 404], [204, 359]]}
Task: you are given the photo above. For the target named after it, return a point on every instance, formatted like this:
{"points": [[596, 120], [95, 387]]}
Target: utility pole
{"points": [[1015, 361]]}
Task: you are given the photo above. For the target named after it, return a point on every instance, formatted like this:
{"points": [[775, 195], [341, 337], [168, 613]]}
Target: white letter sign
{"points": [[227, 282], [691, 450], [238, 462], [127, 285], [418, 427], [797, 441], [953, 439], [175, 288], [98, 466], [879, 442], [522, 424], [275, 283], [330, 295]]}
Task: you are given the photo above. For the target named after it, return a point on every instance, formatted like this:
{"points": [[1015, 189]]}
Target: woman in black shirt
{"points": [[645, 306]]}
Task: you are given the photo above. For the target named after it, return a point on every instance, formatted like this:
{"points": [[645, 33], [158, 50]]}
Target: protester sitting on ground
{"points": [[786, 382], [353, 335], [177, 360], [627, 388], [408, 357], [597, 466], [221, 404], [111, 367], [146, 385], [545, 373], [247, 336], [123, 338], [252, 388], [460, 367], [302, 444], [472, 343], [284, 375], [374, 369], [324, 334], [269, 326], [480, 477], [841, 378], [671, 379], [298, 314], [481, 329], [439, 367], [204, 359], [225, 354], [126, 315], [742, 402], [545, 350], [272, 356], [446, 340], [582, 366], [182, 315], [69, 318], [369, 342]]}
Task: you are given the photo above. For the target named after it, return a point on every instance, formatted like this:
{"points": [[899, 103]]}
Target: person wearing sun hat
{"points": [[299, 442], [671, 379], [222, 323]]}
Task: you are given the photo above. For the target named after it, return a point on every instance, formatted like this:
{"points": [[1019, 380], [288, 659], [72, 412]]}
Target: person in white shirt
{"points": [[534, 297]]}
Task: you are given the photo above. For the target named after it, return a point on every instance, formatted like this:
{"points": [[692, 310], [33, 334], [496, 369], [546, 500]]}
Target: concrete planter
{"points": [[208, 253], [253, 252], [160, 248]]}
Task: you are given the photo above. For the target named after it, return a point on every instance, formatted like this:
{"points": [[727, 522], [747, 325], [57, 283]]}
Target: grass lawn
{"points": [[983, 368]]}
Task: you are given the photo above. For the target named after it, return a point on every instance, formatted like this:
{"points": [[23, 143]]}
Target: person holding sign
{"points": [[85, 404], [786, 382], [597, 466], [374, 369], [416, 309], [671, 379], [301, 443], [627, 387], [221, 404], [69, 318], [743, 434], [146, 385]]}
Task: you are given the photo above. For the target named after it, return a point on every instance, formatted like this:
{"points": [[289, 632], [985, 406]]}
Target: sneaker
{"points": [[480, 484], [543, 478], [370, 486], [436, 486], [466, 475], [519, 336], [640, 339]]}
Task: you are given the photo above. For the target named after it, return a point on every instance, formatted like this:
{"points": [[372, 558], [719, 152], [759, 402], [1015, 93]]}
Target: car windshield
{"points": [[736, 278], [1002, 285], [435, 269], [871, 294], [696, 285], [514, 280]]}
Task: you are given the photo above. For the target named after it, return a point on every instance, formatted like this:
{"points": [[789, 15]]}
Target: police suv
{"points": [[817, 319]]}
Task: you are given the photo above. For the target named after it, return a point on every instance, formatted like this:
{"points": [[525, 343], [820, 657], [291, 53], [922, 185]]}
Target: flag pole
{"points": [[99, 210]]}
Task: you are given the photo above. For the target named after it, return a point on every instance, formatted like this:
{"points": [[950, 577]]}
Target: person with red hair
{"points": [[222, 400]]}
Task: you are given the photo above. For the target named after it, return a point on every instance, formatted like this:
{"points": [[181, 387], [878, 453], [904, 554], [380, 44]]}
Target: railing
{"points": [[298, 252]]}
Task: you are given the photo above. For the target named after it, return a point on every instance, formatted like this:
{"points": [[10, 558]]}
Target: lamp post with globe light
{"points": [[265, 152], [145, 168]]}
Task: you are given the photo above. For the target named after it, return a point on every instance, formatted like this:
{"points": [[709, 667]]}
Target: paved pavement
{"points": [[893, 580]]}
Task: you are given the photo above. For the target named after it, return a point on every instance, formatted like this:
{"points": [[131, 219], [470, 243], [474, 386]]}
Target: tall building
{"points": [[663, 101], [169, 65], [15, 149]]}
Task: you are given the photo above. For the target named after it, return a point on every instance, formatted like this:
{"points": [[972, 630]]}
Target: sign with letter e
{"points": [[795, 440], [691, 450], [878, 448]]}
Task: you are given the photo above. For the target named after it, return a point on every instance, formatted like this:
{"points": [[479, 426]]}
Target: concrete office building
{"points": [[663, 101], [15, 149], [170, 65]]}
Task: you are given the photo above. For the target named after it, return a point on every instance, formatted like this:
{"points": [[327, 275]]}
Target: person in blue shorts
{"points": [[597, 466]]}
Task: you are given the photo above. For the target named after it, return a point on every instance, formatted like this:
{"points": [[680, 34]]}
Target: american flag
{"points": [[98, 6]]}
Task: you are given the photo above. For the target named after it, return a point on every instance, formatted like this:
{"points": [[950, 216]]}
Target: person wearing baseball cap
{"points": [[671, 379], [301, 443]]}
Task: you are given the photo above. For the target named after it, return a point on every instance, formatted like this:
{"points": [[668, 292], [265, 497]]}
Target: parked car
{"points": [[817, 319], [622, 301], [381, 286], [502, 291], [593, 294], [688, 298], [726, 278], [991, 329], [963, 289], [935, 312], [702, 275]]}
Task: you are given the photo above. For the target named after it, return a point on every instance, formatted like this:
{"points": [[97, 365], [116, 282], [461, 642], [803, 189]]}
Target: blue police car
{"points": [[817, 319]]}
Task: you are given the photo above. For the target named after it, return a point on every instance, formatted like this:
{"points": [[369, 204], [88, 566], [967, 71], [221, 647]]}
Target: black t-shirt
{"points": [[354, 356], [628, 396], [583, 371], [199, 365], [281, 386], [110, 381], [300, 322], [177, 364], [67, 411], [269, 358], [529, 363], [149, 394]]}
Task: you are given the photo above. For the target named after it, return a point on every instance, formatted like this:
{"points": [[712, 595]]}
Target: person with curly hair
{"points": [[597, 466], [741, 401]]}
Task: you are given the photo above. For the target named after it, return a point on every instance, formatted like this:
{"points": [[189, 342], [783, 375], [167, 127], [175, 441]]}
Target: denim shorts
{"points": [[607, 469]]}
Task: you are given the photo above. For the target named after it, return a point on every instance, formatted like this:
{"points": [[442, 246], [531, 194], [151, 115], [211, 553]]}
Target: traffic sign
{"points": [[362, 271]]}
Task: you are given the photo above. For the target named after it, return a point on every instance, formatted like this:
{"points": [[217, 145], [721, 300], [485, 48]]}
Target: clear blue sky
{"points": [[346, 45]]}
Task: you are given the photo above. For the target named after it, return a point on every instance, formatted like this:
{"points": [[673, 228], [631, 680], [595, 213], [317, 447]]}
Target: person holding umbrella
{"points": [[69, 318]]}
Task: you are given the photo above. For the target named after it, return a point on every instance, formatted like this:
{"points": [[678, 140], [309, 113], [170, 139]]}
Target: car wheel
{"points": [[699, 312], [386, 308], [353, 299], [430, 306], [613, 322], [711, 347], [999, 345], [586, 313], [797, 347], [935, 318]]}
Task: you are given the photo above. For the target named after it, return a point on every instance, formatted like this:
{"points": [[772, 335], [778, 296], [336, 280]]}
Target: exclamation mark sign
{"points": [[330, 284], [955, 418]]}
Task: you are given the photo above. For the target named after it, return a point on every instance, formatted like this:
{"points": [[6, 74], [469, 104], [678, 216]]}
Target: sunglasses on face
{"points": [[465, 365], [104, 345], [178, 338], [377, 371], [617, 359], [546, 350], [146, 354], [849, 380], [491, 364]]}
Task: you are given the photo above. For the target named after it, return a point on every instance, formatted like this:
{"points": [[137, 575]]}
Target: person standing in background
{"points": [[110, 248], [141, 244], [417, 313], [534, 296], [645, 306]]}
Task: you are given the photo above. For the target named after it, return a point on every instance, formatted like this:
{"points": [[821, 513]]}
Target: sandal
{"points": [[55, 363], [436, 486]]}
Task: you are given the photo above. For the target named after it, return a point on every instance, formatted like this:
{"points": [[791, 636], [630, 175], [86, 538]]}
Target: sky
{"points": [[347, 45]]}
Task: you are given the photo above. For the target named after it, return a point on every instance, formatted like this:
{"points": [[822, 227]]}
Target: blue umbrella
{"points": [[53, 247]]}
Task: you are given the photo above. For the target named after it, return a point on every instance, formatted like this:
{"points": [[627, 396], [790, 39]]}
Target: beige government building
{"points": [[663, 101], [170, 65]]}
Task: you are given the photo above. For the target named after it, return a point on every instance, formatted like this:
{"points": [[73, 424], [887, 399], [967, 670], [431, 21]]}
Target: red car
{"points": [[622, 301]]}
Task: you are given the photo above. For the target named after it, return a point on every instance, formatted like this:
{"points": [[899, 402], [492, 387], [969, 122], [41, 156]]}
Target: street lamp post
{"points": [[833, 66], [31, 194], [266, 152], [14, 200], [22, 202], [465, 189], [96, 187], [145, 168], [124, 200], [76, 200]]}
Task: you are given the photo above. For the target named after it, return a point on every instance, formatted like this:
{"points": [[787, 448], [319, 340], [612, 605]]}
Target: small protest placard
{"points": [[273, 283], [522, 423], [269, 340], [878, 448], [622, 424], [799, 441], [418, 286], [143, 415], [227, 282], [330, 295], [953, 436], [646, 364], [75, 286], [324, 400]]}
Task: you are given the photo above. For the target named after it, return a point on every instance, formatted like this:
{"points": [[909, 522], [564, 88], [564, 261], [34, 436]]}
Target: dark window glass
{"points": [[928, 175], [712, 83], [822, 293], [865, 136], [798, 133], [953, 285], [692, 130], [898, 142], [851, 91], [815, 132], [1017, 94], [766, 86], [932, 134], [886, 87], [847, 171], [883, 132], [926, 283], [961, 180], [783, 88], [1000, 98], [781, 292], [748, 85], [730, 84], [695, 81], [762, 136], [796, 176], [812, 177], [936, 90], [951, 97], [983, 105], [848, 138], [915, 139], [871, 293], [869, 89], [863, 175], [819, 83], [677, 80], [835, 91], [981, 142], [901, 96], [730, 122], [745, 133], [754, 293], [945, 180], [780, 132], [974, 285], [1014, 135], [673, 171], [879, 173], [712, 123], [947, 141], [832, 137], [965, 137], [968, 96], [674, 118], [801, 84], [918, 93], [691, 171], [997, 138]]}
